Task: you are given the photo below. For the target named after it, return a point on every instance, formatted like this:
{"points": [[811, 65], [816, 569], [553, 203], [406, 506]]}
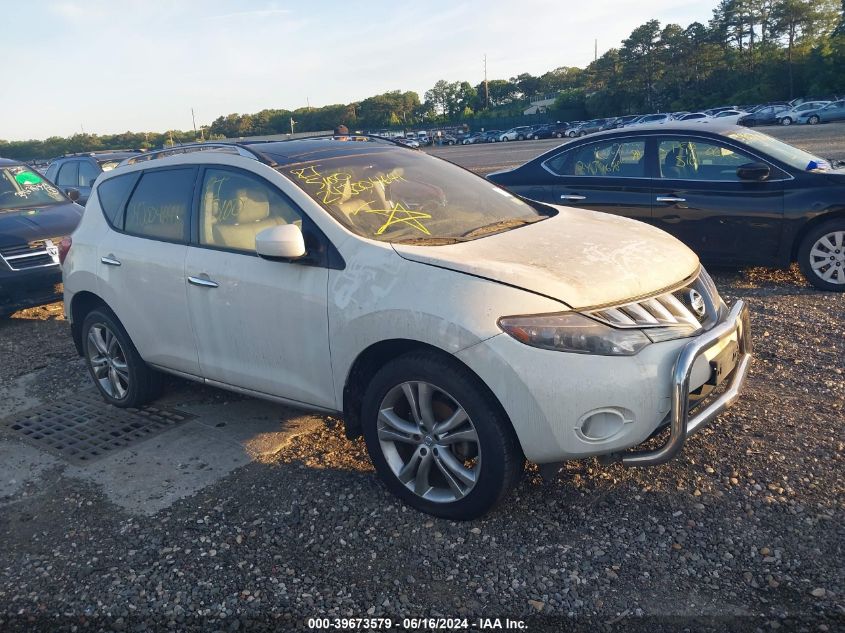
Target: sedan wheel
{"points": [[438, 438], [786, 121], [822, 256], [559, 135], [813, 120]]}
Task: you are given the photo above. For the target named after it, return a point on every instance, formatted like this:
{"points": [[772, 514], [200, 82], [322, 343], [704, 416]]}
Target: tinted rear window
{"points": [[112, 194], [161, 204]]}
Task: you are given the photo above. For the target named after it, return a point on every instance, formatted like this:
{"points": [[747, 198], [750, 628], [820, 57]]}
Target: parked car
{"points": [[443, 317], [733, 195], [35, 216], [831, 112], [407, 142], [532, 129], [552, 130], [622, 121], [727, 117], [767, 115], [79, 171], [692, 116], [446, 139], [475, 137], [788, 117], [651, 118], [591, 127], [518, 133], [491, 136]]}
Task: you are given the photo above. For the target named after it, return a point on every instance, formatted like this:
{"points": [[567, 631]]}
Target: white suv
{"points": [[459, 328]]}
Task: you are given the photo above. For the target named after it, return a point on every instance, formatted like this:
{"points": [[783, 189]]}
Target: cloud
{"points": [[68, 10], [257, 13]]}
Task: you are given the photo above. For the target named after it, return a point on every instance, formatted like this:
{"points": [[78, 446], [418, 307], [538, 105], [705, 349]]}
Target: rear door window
{"points": [[607, 158], [160, 206]]}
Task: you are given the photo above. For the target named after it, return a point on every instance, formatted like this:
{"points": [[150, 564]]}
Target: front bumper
{"points": [[28, 288], [681, 425], [550, 396]]}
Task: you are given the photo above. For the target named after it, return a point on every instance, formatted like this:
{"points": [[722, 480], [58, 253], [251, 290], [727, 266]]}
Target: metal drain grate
{"points": [[86, 428]]}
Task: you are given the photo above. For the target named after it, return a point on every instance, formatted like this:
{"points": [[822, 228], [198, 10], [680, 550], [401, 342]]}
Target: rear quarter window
{"points": [[112, 195]]}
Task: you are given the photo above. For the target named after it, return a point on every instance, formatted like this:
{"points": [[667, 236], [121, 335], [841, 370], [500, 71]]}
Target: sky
{"points": [[108, 66]]}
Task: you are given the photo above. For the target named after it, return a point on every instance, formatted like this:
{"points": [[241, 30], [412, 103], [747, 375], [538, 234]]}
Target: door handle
{"points": [[572, 197], [671, 219], [205, 283], [109, 260], [671, 199]]}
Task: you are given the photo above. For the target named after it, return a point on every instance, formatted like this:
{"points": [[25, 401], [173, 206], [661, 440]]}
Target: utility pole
{"points": [[195, 122], [292, 123], [596, 51], [486, 89]]}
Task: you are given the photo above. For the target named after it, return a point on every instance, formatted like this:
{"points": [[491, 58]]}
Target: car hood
{"points": [[33, 223], [578, 257]]}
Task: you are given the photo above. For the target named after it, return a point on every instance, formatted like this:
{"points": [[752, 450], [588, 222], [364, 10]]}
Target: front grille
{"points": [[697, 304], [35, 254]]}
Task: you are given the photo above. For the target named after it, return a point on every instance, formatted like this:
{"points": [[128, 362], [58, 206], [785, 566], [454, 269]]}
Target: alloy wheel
{"points": [[429, 441], [108, 361], [827, 257], [786, 121]]}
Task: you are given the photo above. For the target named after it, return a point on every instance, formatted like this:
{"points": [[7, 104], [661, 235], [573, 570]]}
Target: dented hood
{"points": [[581, 258]]}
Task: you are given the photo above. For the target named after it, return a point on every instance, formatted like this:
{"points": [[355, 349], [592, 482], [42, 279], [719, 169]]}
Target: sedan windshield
{"points": [[396, 195], [792, 156], [23, 188]]}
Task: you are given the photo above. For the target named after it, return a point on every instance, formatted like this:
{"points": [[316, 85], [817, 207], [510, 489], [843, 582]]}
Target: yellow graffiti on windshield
{"points": [[398, 214], [339, 186]]}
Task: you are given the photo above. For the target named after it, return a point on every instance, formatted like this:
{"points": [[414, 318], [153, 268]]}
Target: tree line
{"points": [[750, 51]]}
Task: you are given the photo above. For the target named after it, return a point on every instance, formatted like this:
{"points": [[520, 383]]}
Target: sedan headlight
{"points": [[573, 332]]}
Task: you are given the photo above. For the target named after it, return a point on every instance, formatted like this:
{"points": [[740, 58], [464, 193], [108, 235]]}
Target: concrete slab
{"points": [[20, 464]]}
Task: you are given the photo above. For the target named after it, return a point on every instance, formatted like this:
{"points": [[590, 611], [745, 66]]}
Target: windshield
{"points": [[792, 156], [21, 188], [396, 195]]}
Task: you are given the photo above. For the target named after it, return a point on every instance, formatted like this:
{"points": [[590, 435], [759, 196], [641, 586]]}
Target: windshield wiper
{"points": [[430, 241], [496, 226]]}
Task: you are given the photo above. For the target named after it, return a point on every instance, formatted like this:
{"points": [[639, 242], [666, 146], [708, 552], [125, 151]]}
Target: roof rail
{"points": [[230, 148], [101, 151], [352, 136]]}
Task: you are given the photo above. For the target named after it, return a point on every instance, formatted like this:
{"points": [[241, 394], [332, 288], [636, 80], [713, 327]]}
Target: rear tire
{"points": [[813, 120], [821, 256], [120, 374], [430, 470], [786, 120]]}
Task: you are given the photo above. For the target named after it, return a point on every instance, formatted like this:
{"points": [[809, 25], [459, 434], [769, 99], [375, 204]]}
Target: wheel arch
{"points": [[371, 359], [80, 306], [810, 225]]}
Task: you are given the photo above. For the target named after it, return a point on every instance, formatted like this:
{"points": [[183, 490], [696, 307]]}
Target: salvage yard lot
{"points": [[249, 513]]}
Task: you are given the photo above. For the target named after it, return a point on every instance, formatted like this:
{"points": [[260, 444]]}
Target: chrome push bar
{"points": [[681, 425]]}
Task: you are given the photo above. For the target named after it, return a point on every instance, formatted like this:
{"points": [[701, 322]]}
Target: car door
{"points": [[607, 175], [700, 199], [142, 262], [260, 325]]}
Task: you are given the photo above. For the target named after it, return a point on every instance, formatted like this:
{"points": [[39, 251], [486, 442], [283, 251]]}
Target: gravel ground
{"points": [[743, 532]]}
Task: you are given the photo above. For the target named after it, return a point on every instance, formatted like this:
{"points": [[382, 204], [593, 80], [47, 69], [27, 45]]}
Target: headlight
{"points": [[573, 332]]}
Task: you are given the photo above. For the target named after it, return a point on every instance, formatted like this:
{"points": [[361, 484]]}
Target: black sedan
{"points": [[734, 195], [34, 217]]}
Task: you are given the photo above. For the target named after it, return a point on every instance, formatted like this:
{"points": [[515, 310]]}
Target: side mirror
{"points": [[280, 242], [73, 194], [753, 171]]}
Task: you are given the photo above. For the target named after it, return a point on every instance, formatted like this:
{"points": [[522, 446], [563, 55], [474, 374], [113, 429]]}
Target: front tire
{"points": [[120, 374], [821, 256], [437, 437], [786, 120], [813, 120]]}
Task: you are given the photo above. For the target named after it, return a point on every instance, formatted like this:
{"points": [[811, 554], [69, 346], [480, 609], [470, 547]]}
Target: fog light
{"points": [[603, 424]]}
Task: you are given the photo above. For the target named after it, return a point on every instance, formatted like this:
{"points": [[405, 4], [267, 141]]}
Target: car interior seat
{"points": [[243, 212]]}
